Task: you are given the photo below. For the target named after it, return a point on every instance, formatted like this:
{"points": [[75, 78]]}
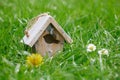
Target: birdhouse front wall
{"points": [[50, 42]]}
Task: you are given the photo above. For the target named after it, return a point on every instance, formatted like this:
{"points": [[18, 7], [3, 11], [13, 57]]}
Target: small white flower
{"points": [[91, 47], [103, 52]]}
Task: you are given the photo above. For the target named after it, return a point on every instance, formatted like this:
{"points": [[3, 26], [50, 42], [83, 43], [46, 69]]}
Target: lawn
{"points": [[86, 21]]}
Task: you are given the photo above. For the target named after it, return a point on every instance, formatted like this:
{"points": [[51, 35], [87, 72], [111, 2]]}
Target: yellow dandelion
{"points": [[34, 60]]}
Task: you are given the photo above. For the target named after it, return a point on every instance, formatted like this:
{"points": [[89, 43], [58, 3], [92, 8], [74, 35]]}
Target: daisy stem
{"points": [[101, 64]]}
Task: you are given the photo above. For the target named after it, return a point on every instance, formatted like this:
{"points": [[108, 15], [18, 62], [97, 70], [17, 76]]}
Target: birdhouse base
{"points": [[48, 52], [47, 49]]}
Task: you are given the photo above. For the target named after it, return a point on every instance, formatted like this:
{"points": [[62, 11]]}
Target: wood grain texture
{"points": [[36, 31], [45, 48]]}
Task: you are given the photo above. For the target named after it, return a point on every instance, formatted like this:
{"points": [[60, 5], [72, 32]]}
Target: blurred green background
{"points": [[86, 21]]}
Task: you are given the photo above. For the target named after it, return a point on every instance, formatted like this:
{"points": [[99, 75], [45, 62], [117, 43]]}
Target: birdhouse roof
{"points": [[39, 26]]}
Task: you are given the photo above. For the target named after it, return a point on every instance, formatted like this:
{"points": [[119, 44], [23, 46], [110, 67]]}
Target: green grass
{"points": [[86, 21]]}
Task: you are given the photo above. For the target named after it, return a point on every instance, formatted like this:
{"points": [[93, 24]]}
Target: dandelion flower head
{"points": [[34, 60]]}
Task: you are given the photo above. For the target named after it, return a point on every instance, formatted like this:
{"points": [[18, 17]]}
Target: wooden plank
{"points": [[45, 48]]}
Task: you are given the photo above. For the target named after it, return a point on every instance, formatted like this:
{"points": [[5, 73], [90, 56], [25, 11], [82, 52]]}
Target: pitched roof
{"points": [[39, 27]]}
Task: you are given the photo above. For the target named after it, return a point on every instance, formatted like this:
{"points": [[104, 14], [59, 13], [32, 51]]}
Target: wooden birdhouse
{"points": [[45, 35]]}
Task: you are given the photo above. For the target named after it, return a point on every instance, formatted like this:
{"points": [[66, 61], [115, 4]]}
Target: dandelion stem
{"points": [[101, 64]]}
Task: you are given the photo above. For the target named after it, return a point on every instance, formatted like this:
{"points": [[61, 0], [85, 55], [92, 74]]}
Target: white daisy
{"points": [[91, 47], [103, 52]]}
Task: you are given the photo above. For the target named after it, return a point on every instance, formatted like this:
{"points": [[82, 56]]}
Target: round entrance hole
{"points": [[50, 39]]}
